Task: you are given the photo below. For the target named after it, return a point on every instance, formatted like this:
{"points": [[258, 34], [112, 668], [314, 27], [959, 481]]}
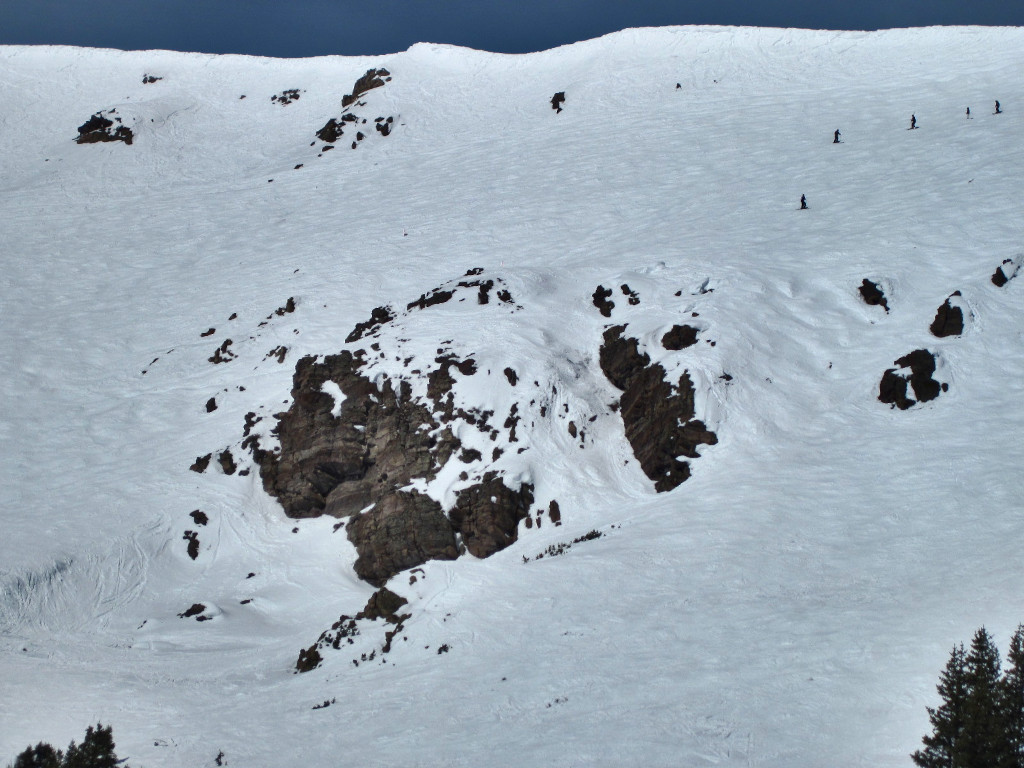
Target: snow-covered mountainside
{"points": [[655, 467]]}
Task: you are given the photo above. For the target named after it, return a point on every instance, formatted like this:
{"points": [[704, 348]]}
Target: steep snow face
{"points": [[795, 597]]}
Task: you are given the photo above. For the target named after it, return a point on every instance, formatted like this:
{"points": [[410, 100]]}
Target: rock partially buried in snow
{"points": [[872, 294], [374, 78], [949, 319], [1005, 272], [893, 387], [100, 128], [679, 337], [658, 417]]}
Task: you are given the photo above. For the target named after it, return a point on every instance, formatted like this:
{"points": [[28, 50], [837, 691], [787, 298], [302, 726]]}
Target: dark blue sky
{"points": [[317, 27]]}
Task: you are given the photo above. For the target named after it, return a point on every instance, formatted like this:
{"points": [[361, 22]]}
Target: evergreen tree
{"points": [[947, 720], [1012, 704], [42, 755], [984, 741], [95, 751]]}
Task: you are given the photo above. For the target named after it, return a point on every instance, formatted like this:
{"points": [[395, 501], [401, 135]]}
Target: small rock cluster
{"points": [[383, 604], [334, 128], [100, 128]]}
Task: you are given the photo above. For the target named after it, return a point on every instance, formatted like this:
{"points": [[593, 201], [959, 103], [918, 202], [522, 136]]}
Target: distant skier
{"points": [[913, 122], [803, 202], [999, 110], [836, 139], [968, 113]]}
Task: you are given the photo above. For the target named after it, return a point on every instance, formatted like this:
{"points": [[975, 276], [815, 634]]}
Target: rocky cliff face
{"points": [[658, 416], [352, 447], [408, 449], [339, 458]]}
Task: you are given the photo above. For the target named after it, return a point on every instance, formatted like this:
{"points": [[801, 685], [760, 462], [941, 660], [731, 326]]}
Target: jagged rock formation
{"points": [[367, 432], [872, 294], [100, 128], [893, 387], [658, 417], [403, 530], [949, 319], [488, 514], [339, 462], [374, 78], [334, 128], [350, 447]]}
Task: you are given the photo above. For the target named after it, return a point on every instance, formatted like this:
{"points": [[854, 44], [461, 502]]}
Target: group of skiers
{"points": [[913, 126]]}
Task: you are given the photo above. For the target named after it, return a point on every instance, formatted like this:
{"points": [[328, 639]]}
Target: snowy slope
{"points": [[789, 605]]}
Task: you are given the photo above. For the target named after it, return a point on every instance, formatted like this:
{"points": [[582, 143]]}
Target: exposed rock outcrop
{"points": [[339, 461], [488, 514], [949, 319], [893, 387], [679, 337], [334, 128], [658, 417], [873, 295], [403, 530], [100, 128], [383, 604], [1005, 272], [374, 78]]}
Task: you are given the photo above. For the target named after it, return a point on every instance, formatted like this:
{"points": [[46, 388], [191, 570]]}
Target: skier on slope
{"points": [[999, 110], [803, 202], [836, 139], [913, 122]]}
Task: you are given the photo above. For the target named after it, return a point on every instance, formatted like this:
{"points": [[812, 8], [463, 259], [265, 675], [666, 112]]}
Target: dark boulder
{"points": [[893, 387], [679, 337], [1005, 272], [949, 319], [383, 604], [602, 300], [331, 132], [873, 295]]}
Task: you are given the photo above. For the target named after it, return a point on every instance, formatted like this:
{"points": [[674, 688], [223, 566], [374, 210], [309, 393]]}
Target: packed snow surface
{"points": [[791, 604]]}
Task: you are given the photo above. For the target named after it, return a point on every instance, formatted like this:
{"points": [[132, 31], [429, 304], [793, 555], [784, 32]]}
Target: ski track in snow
{"points": [[796, 598]]}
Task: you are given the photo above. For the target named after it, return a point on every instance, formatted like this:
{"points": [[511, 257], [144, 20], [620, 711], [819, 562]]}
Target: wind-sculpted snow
{"points": [[240, 275]]}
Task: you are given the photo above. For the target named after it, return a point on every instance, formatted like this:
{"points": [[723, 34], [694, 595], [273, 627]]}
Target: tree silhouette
{"points": [[1012, 700], [947, 720]]}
